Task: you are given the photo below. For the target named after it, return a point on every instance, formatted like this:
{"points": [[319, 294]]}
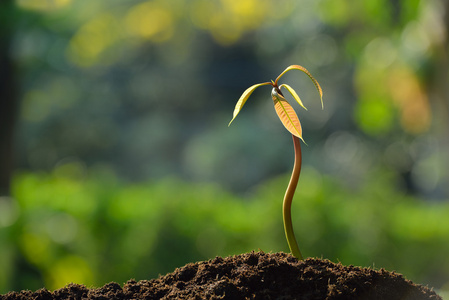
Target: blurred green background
{"points": [[117, 162]]}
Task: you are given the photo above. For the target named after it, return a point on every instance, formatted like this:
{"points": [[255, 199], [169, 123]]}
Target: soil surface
{"points": [[254, 275]]}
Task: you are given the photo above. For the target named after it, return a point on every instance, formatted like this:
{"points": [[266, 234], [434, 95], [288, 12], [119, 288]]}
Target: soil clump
{"points": [[255, 275]]}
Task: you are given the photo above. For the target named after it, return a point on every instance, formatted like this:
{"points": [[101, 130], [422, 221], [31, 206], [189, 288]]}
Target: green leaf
{"points": [[301, 68], [245, 97], [292, 91], [286, 114]]}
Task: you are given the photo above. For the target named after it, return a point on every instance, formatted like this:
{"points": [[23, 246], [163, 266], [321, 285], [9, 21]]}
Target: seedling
{"points": [[290, 120]]}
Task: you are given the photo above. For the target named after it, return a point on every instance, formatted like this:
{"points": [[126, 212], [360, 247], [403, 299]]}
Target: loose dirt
{"points": [[254, 275]]}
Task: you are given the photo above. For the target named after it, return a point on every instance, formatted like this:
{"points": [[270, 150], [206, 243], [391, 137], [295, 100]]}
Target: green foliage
{"points": [[90, 228], [98, 85]]}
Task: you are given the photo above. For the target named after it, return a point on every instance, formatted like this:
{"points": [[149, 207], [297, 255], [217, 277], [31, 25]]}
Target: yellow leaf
{"points": [[301, 68], [286, 114], [293, 92], [245, 97]]}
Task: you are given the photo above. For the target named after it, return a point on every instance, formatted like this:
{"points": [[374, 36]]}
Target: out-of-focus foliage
{"points": [[88, 227], [147, 86], [144, 90]]}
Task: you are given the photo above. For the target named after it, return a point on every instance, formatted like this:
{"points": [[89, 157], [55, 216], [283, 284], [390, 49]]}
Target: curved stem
{"points": [[288, 198]]}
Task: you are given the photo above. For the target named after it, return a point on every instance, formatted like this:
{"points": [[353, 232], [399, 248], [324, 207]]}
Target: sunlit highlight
{"points": [[150, 21], [411, 99], [93, 38], [43, 5]]}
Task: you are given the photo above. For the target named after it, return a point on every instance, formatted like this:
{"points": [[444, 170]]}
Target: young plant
{"points": [[290, 120]]}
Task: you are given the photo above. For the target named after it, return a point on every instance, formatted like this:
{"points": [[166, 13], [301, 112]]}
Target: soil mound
{"points": [[254, 275]]}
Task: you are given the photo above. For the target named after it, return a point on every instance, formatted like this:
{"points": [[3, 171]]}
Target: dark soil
{"points": [[252, 276]]}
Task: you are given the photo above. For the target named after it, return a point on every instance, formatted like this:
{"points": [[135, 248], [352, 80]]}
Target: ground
{"points": [[254, 275]]}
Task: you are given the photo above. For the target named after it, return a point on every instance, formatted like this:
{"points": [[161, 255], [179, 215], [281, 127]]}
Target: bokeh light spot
{"points": [[69, 269], [380, 53], [374, 116], [9, 211], [93, 38], [43, 5], [151, 21]]}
